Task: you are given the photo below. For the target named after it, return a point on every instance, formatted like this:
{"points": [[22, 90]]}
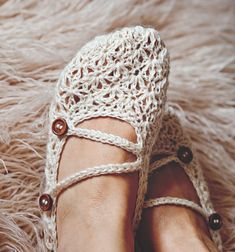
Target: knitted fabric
{"points": [[122, 75], [171, 138]]}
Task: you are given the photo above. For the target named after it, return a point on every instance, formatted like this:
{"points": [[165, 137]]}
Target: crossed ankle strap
{"points": [[48, 198]]}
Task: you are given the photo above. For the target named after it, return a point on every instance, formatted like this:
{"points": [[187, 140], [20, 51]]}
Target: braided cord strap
{"points": [[175, 201], [103, 137], [95, 171], [99, 136]]}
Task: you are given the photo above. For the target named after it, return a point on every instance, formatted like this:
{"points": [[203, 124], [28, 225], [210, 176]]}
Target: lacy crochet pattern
{"points": [[171, 138], [123, 75]]}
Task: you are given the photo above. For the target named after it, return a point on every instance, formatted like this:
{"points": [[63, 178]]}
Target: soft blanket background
{"points": [[37, 39]]}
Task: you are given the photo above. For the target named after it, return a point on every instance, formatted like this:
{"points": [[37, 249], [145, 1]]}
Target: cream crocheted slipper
{"points": [[174, 144], [122, 75]]}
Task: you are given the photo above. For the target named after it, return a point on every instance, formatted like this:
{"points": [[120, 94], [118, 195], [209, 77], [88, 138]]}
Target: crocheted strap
{"points": [[175, 201], [163, 161], [102, 137], [95, 171]]}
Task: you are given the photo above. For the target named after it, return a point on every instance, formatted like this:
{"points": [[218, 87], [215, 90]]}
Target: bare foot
{"points": [[173, 228], [96, 214]]}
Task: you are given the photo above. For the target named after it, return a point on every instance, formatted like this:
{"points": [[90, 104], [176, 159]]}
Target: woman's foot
{"points": [[173, 228], [122, 75], [178, 214], [97, 214]]}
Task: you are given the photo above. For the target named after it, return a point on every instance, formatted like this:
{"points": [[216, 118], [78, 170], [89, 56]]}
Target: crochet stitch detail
{"points": [[123, 75]]}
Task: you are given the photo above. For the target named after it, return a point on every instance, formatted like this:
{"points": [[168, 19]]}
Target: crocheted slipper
{"points": [[122, 75], [174, 144]]}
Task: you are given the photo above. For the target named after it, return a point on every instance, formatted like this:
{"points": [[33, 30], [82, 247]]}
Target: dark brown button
{"points": [[185, 154], [215, 221], [59, 127], [45, 202]]}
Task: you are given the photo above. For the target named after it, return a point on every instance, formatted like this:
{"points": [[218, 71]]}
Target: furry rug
{"points": [[39, 37]]}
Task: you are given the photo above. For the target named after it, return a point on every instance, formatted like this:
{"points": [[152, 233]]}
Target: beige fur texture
{"points": [[37, 39]]}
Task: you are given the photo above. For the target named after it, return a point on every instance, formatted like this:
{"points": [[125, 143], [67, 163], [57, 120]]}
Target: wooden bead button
{"points": [[59, 127], [215, 221], [45, 202], [185, 154]]}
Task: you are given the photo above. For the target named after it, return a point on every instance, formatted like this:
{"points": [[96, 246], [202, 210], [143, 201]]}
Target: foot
{"points": [[96, 214], [123, 74], [173, 228]]}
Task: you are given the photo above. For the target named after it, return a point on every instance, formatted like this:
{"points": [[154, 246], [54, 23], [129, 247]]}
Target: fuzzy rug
{"points": [[37, 39]]}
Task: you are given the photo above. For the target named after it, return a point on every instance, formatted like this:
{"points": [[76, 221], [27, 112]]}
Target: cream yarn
{"points": [[124, 75]]}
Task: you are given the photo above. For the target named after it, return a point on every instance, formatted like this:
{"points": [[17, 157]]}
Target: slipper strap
{"points": [[117, 168], [107, 138], [175, 201], [94, 172]]}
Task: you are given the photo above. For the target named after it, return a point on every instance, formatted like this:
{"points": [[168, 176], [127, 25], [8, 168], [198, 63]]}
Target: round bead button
{"points": [[185, 154], [45, 202], [215, 221], [59, 127]]}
